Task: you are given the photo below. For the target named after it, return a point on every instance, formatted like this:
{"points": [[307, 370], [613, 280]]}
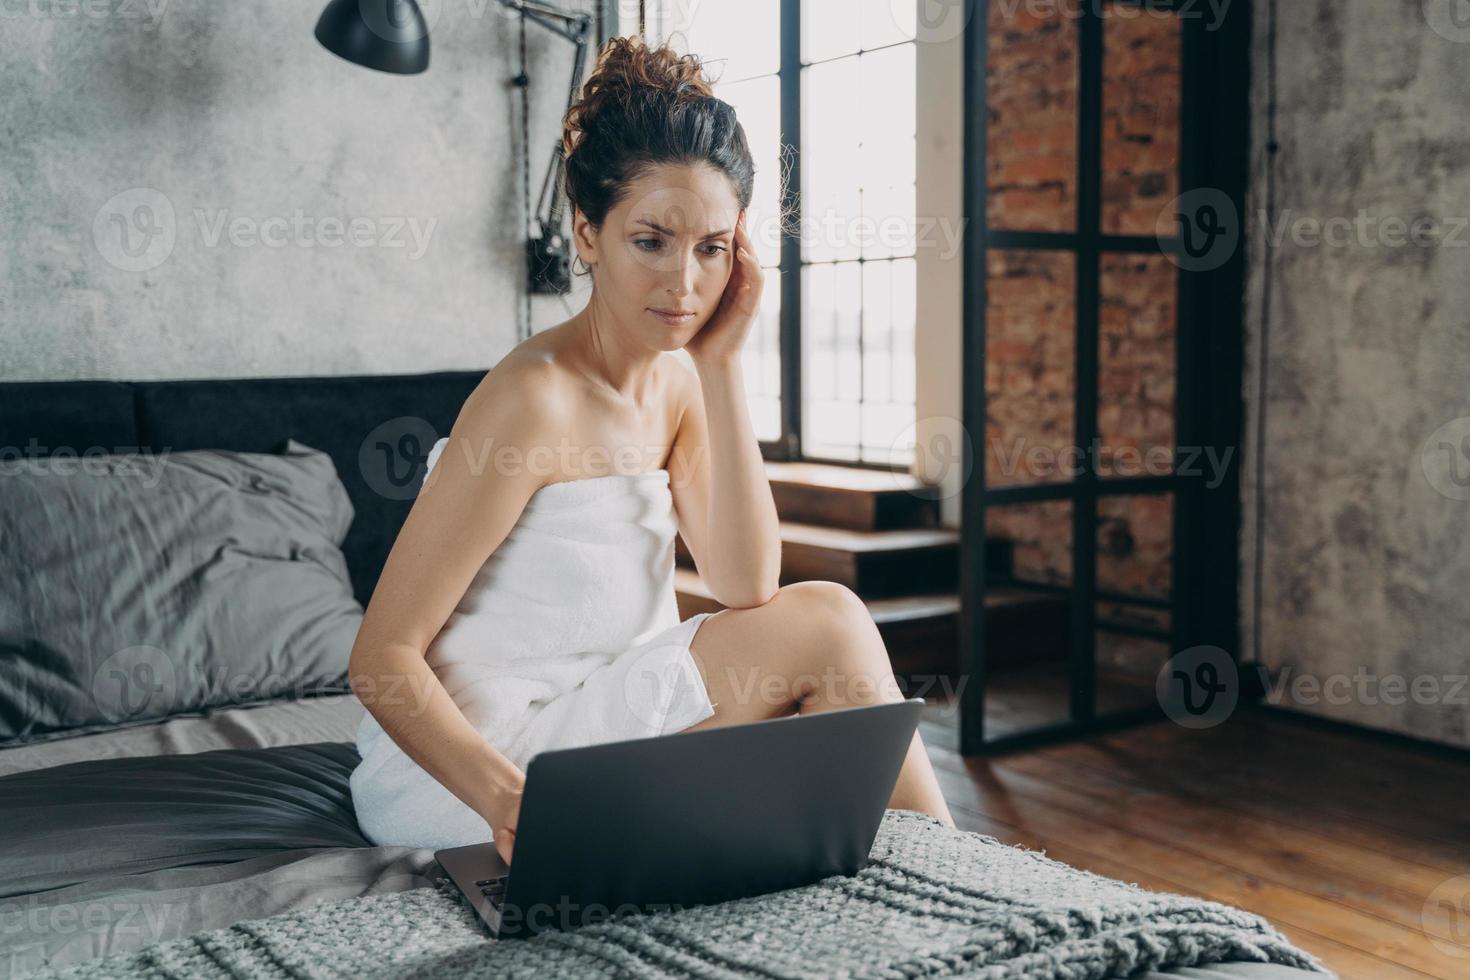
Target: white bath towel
{"points": [[569, 635]]}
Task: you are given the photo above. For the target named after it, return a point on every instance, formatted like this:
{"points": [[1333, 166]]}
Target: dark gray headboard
{"points": [[378, 429]]}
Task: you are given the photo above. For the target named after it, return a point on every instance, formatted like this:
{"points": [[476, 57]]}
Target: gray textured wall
{"points": [[1367, 554], [233, 113]]}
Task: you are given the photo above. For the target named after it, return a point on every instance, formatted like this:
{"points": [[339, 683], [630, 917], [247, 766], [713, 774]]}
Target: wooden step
{"points": [[874, 564], [921, 631], [852, 497]]}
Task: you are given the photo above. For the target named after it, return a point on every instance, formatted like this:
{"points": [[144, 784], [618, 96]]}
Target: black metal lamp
{"points": [[389, 35], [393, 36]]}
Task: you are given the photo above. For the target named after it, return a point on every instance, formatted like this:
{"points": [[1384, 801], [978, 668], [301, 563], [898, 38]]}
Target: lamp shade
{"points": [[389, 35]]}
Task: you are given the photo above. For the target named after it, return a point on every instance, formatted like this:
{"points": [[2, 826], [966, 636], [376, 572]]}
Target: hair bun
{"points": [[629, 74]]}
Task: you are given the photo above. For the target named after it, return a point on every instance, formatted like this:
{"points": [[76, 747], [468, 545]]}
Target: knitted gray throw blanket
{"points": [[932, 902]]}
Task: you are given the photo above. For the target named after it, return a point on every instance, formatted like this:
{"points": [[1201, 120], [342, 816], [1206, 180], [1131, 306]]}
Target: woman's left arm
{"points": [[743, 533]]}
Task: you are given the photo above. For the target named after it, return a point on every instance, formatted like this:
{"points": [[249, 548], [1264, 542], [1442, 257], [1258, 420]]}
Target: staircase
{"points": [[878, 533]]}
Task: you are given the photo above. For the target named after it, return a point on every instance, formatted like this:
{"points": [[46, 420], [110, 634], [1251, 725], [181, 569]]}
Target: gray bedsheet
{"points": [[87, 901], [67, 825], [240, 862], [331, 718]]}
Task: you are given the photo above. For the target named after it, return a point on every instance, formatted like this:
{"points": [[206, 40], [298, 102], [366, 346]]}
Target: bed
{"points": [[211, 835]]}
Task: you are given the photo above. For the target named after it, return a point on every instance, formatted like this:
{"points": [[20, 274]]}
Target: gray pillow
{"points": [[134, 587]]}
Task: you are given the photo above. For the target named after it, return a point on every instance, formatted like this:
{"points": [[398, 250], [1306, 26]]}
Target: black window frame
{"points": [[1209, 338]]}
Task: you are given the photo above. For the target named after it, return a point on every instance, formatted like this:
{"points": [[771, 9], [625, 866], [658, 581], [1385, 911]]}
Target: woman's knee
{"points": [[832, 600], [836, 610], [846, 640]]}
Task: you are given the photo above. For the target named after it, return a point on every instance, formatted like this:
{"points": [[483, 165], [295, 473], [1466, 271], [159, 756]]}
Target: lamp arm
{"points": [[540, 12], [579, 62]]}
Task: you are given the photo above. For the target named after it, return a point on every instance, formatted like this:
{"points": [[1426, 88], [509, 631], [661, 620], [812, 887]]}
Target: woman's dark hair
{"points": [[643, 107]]}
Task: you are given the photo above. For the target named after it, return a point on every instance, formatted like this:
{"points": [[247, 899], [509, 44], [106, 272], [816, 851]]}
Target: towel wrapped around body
{"points": [[568, 635]]}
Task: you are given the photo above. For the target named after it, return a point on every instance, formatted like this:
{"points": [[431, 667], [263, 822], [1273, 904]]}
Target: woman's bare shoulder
{"points": [[524, 380], [680, 383]]}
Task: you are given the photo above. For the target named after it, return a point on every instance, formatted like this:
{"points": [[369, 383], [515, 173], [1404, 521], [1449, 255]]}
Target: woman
{"points": [[528, 601]]}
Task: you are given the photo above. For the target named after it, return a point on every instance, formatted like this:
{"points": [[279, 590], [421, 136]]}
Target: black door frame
{"points": [[1209, 336]]}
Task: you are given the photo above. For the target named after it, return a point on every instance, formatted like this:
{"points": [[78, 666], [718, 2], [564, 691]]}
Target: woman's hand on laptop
{"points": [[504, 813]]}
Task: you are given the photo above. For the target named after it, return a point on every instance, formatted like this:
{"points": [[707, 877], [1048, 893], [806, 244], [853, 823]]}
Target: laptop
{"points": [[658, 824]]}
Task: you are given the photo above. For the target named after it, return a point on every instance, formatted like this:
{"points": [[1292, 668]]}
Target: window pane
{"points": [[1029, 367], [1135, 544], [757, 103], [761, 362], [887, 118], [1027, 639], [1030, 542], [831, 321], [889, 305], [1136, 365], [1127, 670], [1141, 82], [1128, 664], [887, 155], [832, 28], [1031, 146], [889, 228], [735, 40], [831, 129], [886, 22]]}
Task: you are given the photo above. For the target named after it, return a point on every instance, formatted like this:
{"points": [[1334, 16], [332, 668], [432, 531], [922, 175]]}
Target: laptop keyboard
{"points": [[493, 889]]}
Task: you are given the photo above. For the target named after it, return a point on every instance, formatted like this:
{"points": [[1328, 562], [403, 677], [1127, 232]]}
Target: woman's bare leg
{"points": [[812, 647]]}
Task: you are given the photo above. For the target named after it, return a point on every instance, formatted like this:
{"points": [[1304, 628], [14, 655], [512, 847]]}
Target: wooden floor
{"points": [[1349, 846]]}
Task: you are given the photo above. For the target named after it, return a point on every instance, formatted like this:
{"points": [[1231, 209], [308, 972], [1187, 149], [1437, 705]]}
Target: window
{"points": [[857, 256]]}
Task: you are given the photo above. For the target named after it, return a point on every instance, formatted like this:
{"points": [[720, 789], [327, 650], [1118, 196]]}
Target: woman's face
{"points": [[665, 246]]}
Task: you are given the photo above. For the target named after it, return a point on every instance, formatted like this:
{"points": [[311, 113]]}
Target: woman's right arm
{"points": [[465, 509]]}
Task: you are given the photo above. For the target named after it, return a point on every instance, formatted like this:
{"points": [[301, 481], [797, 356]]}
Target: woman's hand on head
{"points": [[723, 336]]}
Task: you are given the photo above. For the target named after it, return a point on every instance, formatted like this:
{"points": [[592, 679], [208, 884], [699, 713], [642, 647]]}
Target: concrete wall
{"points": [[225, 147], [1366, 552]]}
